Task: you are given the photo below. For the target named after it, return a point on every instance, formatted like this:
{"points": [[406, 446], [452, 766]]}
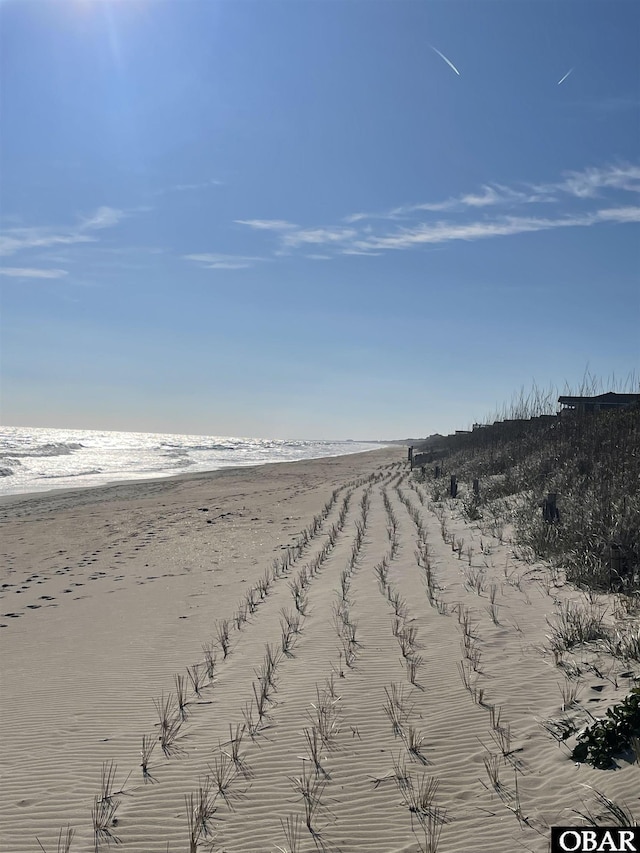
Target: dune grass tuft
{"points": [[200, 811], [293, 834], [209, 659], [234, 754], [222, 636], [149, 743], [65, 837], [170, 721], [396, 707], [311, 788]]}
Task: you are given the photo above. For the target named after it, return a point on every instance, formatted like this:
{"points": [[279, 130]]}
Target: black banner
{"points": [[595, 839]]}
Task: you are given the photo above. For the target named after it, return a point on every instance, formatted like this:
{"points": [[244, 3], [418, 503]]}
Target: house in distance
{"points": [[601, 402]]}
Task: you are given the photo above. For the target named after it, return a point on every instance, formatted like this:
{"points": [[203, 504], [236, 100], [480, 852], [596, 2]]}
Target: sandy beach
{"points": [[290, 605]]}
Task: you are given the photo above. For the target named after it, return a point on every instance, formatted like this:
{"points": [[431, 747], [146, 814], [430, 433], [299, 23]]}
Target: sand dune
{"points": [[109, 594]]}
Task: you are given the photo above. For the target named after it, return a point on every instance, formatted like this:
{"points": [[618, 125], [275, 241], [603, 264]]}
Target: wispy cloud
{"points": [[104, 217], [266, 224], [42, 237], [28, 272], [579, 199], [223, 262], [489, 195], [318, 236], [18, 239], [588, 183], [358, 217], [181, 188], [361, 252], [619, 214], [445, 232]]}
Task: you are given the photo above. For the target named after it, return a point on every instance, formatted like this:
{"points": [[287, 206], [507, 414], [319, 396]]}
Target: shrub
{"points": [[600, 742]]}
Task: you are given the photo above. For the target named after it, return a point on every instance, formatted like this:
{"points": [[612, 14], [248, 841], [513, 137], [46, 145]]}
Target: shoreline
{"points": [[186, 475]]}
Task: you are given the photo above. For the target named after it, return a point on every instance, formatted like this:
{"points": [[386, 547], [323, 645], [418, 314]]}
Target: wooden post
{"points": [[410, 457], [550, 511], [454, 486], [476, 487], [615, 563], [436, 473]]}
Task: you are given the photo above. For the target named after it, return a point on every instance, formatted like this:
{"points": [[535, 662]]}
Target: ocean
{"points": [[38, 459]]}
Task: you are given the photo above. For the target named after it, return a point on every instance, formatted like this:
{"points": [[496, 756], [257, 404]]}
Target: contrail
{"points": [[448, 61], [565, 76]]}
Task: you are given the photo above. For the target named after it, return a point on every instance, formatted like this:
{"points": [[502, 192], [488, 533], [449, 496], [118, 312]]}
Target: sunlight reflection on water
{"points": [[37, 459]]}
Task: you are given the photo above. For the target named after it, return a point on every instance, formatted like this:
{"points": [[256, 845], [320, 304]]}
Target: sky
{"points": [[365, 219]]}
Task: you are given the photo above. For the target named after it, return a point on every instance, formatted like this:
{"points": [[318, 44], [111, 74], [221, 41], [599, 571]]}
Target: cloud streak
{"points": [[495, 210], [213, 261], [182, 188], [585, 184], [590, 183], [318, 236], [19, 239], [30, 272], [448, 61], [446, 232], [266, 224], [41, 237], [104, 217], [562, 79]]}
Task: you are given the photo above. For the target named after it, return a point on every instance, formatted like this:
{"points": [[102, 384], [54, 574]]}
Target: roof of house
{"points": [[609, 397]]}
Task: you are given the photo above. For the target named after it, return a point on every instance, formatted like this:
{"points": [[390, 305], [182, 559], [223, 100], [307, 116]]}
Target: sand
{"points": [[107, 594]]}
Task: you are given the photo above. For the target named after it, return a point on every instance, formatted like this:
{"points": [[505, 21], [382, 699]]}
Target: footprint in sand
{"points": [[34, 606]]}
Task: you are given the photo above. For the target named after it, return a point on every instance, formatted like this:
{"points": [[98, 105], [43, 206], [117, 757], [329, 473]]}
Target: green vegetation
{"points": [[612, 735], [590, 461]]}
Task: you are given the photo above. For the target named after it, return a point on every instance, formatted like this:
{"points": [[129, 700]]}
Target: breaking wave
{"points": [[54, 449], [34, 459]]}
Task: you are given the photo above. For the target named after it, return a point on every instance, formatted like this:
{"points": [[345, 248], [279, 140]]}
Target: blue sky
{"points": [[296, 219]]}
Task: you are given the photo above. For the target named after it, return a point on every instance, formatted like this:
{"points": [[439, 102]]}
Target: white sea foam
{"points": [[36, 459]]}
